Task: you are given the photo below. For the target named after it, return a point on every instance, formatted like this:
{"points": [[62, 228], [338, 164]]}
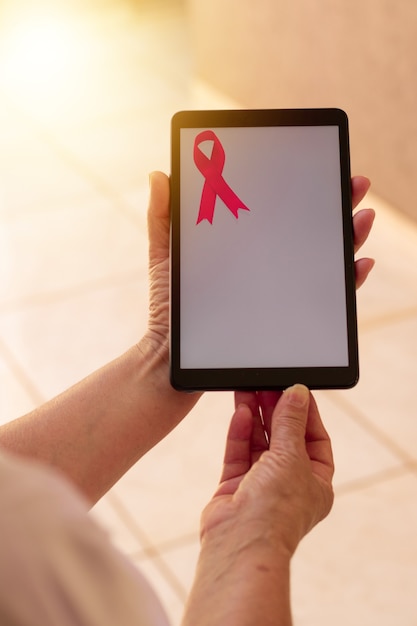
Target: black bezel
{"points": [[262, 378]]}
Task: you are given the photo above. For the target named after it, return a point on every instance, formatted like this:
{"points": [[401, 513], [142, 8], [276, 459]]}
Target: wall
{"points": [[358, 55]]}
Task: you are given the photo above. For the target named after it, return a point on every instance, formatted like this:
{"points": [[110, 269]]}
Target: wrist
{"points": [[240, 525], [152, 354], [243, 543], [155, 343], [240, 581]]}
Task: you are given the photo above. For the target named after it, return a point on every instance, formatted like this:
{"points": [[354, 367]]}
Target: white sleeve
{"points": [[57, 566]]}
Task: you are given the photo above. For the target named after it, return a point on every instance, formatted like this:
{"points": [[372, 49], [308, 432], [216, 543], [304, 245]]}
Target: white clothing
{"points": [[57, 566]]}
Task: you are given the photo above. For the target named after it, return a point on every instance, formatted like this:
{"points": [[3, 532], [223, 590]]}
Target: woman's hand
{"points": [[273, 491], [269, 497]]}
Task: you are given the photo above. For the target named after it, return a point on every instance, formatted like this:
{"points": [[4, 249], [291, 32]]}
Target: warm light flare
{"points": [[38, 50], [39, 53]]}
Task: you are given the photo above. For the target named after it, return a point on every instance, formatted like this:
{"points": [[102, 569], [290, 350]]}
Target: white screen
{"points": [[265, 289]]}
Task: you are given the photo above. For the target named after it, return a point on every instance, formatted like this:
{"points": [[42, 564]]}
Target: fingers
{"points": [[262, 405], [289, 419], [260, 440], [267, 402], [249, 398], [318, 444], [297, 427], [159, 194], [360, 187], [158, 215], [362, 224], [315, 430], [237, 457], [362, 268]]}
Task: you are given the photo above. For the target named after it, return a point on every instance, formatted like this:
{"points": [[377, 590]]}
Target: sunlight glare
{"points": [[39, 52]]}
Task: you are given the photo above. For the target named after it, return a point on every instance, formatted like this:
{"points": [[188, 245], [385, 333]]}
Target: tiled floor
{"points": [[74, 160]]}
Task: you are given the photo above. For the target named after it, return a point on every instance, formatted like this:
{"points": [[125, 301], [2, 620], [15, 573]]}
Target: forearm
{"points": [[98, 429], [240, 587]]}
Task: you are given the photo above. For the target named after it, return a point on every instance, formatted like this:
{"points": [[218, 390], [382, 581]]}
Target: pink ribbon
{"points": [[214, 184]]}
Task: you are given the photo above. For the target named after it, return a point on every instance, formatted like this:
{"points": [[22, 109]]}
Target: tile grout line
{"points": [[389, 318], [378, 434], [150, 550], [52, 297], [21, 375], [168, 545], [76, 164], [378, 478]]}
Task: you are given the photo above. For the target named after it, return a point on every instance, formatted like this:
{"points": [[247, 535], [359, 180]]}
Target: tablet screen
{"points": [[262, 265]]}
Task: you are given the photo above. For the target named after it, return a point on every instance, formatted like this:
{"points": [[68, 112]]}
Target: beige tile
{"points": [[166, 491], [105, 514], [360, 565], [16, 131], [136, 198], [357, 454], [169, 568], [123, 151], [183, 561], [15, 398], [36, 178], [385, 396], [78, 243], [390, 289], [58, 342], [167, 588]]}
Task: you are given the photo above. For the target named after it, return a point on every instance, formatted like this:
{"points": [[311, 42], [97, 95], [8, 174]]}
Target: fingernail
{"points": [[297, 395]]}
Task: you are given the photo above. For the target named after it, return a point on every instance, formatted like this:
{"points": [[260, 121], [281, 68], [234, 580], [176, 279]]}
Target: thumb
{"points": [[158, 215], [289, 419]]}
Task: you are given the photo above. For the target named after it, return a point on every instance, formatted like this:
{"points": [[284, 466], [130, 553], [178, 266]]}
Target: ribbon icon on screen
{"points": [[214, 184]]}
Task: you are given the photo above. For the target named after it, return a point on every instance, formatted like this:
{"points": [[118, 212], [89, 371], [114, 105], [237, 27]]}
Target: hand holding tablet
{"points": [[262, 268]]}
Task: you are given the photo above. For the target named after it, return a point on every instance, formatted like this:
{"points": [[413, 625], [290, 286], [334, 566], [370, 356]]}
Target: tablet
{"points": [[262, 267]]}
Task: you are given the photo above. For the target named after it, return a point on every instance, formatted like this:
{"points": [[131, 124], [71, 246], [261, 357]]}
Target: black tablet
{"points": [[262, 268]]}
